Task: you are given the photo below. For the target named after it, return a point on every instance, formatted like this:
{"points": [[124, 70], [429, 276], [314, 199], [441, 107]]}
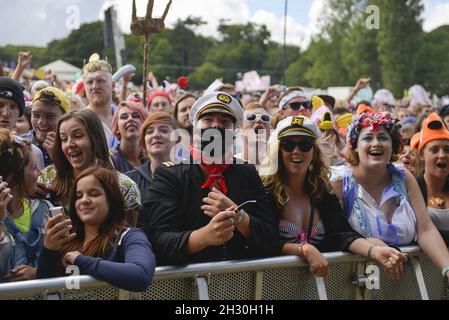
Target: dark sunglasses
{"points": [[254, 117], [50, 97], [290, 145], [297, 105]]}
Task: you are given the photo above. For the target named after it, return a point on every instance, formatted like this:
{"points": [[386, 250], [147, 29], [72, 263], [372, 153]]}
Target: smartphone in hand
{"points": [[56, 211]]}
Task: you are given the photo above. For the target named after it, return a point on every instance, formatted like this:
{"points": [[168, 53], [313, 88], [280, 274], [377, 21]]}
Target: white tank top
{"points": [[368, 219]]}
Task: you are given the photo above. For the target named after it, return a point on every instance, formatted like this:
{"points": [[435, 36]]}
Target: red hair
{"points": [[134, 106], [156, 117]]}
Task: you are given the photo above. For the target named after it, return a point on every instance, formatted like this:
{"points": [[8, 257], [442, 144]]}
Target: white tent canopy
{"points": [[65, 71]]}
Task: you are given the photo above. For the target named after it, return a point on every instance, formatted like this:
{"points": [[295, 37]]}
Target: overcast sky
{"points": [[37, 22]]}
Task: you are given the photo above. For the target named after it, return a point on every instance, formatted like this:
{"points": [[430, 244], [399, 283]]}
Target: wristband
{"points": [[304, 248], [2, 222], [300, 249], [370, 251]]}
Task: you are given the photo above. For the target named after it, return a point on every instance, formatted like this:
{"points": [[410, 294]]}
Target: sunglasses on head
{"points": [[49, 96], [290, 145], [255, 117], [297, 105]]}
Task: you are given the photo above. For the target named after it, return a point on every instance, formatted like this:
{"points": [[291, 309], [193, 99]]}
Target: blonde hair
{"points": [[97, 65], [253, 106], [274, 175]]}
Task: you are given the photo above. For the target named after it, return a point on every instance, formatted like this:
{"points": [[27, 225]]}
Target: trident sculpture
{"points": [[144, 27]]}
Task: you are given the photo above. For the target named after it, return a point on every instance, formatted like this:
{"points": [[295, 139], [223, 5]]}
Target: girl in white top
{"points": [[380, 200]]}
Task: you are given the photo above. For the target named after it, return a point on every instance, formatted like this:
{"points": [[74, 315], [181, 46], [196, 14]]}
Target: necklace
{"points": [[437, 202]]}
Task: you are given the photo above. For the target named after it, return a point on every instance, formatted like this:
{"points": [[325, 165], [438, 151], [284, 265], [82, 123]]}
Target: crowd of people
{"points": [[100, 179]]}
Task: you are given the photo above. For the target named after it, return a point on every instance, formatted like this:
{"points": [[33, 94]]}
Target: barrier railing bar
{"points": [[419, 278], [202, 290], [37, 287], [320, 288], [259, 286]]}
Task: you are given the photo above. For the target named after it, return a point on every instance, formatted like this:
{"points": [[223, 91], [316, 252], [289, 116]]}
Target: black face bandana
{"points": [[216, 142]]}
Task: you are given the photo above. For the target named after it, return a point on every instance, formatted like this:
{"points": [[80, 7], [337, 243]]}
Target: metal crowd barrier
{"points": [[279, 278]]}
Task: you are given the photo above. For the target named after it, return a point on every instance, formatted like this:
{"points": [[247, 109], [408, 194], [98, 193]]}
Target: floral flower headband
{"points": [[373, 121]]}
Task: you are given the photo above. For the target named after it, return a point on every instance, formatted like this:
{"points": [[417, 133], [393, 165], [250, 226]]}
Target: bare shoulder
{"points": [[337, 185], [410, 180]]}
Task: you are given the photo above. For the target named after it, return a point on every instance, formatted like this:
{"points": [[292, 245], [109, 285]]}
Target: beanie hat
{"points": [[12, 90]]}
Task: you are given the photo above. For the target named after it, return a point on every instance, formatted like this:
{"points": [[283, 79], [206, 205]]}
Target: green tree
{"points": [[80, 44], [274, 61], [296, 71], [205, 75], [398, 40], [189, 49], [359, 54], [10, 53], [243, 48], [432, 67]]}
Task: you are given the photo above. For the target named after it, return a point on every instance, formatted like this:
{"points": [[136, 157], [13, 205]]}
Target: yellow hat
{"points": [[54, 96]]}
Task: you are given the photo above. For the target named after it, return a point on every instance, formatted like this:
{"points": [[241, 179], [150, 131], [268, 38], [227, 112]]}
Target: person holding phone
{"points": [[80, 143], [190, 207], [22, 219], [311, 219], [99, 244]]}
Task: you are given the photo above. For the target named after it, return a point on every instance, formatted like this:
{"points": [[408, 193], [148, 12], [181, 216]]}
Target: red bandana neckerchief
{"points": [[215, 172]]}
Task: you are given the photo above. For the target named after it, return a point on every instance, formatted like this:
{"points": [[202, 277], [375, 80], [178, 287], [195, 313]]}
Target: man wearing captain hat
{"points": [[191, 208]]}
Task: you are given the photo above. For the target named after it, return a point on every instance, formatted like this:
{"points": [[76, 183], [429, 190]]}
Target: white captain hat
{"points": [[217, 102]]}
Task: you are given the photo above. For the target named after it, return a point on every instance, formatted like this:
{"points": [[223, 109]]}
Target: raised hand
{"points": [[24, 59]]}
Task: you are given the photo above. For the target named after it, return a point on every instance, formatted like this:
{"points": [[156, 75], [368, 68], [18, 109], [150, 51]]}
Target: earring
{"points": [[311, 168]]}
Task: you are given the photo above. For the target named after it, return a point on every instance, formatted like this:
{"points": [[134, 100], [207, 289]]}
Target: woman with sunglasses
{"points": [[381, 200], [255, 133], [311, 219], [294, 102]]}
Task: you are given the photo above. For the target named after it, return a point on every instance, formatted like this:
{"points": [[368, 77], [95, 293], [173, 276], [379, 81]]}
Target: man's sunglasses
{"points": [[255, 117], [290, 145], [297, 105]]}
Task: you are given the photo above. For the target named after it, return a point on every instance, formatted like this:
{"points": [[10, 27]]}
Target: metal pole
{"points": [[145, 65], [284, 67]]}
